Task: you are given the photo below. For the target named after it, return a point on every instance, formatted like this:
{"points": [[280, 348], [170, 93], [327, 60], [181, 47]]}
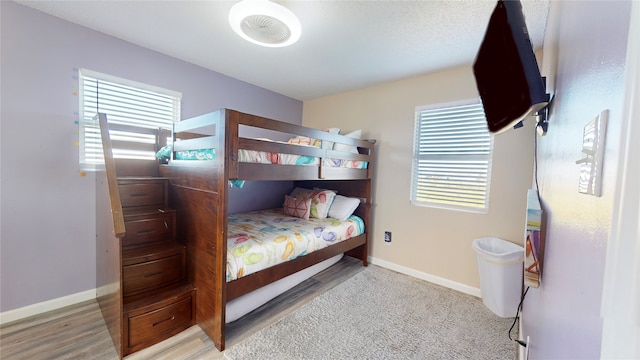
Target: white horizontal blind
{"points": [[452, 157], [125, 102]]}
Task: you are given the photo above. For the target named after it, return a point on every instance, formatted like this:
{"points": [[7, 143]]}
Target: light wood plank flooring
{"points": [[79, 332]]}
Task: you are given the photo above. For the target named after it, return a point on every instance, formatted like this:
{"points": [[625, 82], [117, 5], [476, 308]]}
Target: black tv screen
{"points": [[506, 70]]}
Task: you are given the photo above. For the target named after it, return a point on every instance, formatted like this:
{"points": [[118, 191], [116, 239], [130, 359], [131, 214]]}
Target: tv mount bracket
{"points": [[542, 116]]}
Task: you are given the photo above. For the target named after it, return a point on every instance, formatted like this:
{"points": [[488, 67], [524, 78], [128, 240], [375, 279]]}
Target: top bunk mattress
{"points": [[266, 157], [260, 239], [261, 157]]}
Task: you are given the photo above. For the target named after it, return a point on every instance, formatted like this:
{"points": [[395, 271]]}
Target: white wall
{"points": [[47, 244], [586, 47], [621, 289], [429, 241]]}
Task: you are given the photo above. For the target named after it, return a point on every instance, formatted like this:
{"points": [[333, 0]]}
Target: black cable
{"points": [[535, 178], [522, 343]]}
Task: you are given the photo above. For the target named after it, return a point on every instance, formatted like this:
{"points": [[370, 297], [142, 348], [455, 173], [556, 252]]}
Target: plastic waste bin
{"points": [[500, 268]]}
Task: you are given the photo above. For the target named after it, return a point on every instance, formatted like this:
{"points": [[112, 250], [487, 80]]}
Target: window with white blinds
{"points": [[127, 103], [452, 157]]}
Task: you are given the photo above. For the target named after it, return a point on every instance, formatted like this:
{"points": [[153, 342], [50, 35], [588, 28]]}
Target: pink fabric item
{"points": [[299, 208]]}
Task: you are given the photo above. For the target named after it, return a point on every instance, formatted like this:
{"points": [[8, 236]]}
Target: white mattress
{"points": [[258, 240], [242, 305]]}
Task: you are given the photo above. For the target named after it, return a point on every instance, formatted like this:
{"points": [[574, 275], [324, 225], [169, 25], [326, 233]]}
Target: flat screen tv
{"points": [[506, 70]]}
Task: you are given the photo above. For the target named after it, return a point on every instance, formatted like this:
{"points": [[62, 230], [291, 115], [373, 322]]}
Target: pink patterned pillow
{"points": [[299, 208], [320, 200], [327, 144], [301, 140]]}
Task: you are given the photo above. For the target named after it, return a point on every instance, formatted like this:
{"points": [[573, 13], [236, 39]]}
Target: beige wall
{"points": [[430, 241]]}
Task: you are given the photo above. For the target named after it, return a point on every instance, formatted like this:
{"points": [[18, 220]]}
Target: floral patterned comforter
{"points": [[261, 157], [260, 239], [265, 157]]}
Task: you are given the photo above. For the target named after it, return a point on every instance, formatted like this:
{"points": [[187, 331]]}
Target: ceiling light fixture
{"points": [[265, 23]]}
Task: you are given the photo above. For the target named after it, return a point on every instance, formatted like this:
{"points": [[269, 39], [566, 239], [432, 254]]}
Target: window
{"points": [[452, 157], [125, 102]]}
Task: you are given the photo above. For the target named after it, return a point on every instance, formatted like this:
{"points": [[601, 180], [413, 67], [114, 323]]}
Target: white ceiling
{"points": [[345, 45]]}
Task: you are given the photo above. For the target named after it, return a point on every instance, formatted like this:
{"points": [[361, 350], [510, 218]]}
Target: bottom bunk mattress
{"points": [[260, 239], [239, 307]]}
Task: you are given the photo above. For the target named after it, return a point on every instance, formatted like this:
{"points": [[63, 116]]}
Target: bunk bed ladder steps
{"points": [[158, 302]]}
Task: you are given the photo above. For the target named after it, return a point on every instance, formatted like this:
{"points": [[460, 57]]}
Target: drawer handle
{"points": [[140, 232], [153, 274], [138, 195], [166, 226], [165, 320]]}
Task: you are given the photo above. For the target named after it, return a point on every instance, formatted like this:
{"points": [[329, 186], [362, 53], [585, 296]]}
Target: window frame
{"points": [[89, 142], [421, 155]]}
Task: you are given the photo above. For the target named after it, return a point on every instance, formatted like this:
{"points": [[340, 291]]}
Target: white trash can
{"points": [[500, 268]]}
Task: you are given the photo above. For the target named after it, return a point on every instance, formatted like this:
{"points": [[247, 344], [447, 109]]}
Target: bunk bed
{"points": [[207, 154]]}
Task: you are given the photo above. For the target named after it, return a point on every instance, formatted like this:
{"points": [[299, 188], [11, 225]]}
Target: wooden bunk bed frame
{"points": [[199, 193]]}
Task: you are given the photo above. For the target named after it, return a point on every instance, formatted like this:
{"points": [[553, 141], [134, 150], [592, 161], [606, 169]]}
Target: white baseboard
{"points": [[53, 304], [427, 277], [42, 307]]}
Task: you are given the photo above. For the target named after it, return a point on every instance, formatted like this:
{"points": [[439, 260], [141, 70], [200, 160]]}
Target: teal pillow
{"points": [[164, 152]]}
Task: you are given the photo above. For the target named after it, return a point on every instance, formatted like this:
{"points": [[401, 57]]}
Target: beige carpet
{"points": [[380, 314]]}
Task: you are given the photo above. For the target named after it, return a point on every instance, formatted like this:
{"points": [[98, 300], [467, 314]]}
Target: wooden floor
{"points": [[79, 332]]}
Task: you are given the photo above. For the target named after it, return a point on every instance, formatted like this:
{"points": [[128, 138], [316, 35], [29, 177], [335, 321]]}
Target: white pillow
{"points": [[349, 148], [342, 207]]}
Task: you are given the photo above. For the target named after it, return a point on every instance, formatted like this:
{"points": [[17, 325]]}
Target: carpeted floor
{"points": [[380, 314]]}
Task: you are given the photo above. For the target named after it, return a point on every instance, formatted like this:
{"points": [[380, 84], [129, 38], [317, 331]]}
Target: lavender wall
{"points": [[47, 218], [562, 317]]}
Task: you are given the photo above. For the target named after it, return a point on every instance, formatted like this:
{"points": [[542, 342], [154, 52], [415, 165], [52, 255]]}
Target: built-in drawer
{"points": [[153, 274], [150, 193], [147, 229], [159, 324]]}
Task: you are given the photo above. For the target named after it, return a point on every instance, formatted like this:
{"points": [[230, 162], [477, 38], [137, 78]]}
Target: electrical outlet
{"points": [[387, 236]]}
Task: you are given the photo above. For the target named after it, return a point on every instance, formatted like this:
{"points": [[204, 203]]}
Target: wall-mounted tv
{"points": [[506, 70]]}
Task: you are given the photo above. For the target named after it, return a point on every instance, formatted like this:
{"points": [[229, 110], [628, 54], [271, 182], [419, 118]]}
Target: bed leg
{"points": [[359, 253]]}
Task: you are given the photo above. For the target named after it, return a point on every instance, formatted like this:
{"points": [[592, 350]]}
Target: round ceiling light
{"points": [[265, 23]]}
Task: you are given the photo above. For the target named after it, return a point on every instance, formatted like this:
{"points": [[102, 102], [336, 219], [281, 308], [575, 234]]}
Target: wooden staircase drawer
{"points": [[152, 274], [161, 323], [148, 230], [142, 194]]}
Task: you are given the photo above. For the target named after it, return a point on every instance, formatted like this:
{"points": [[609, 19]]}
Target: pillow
{"points": [[343, 207], [297, 207], [164, 152], [237, 183], [349, 148], [327, 144], [301, 140], [320, 200]]}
